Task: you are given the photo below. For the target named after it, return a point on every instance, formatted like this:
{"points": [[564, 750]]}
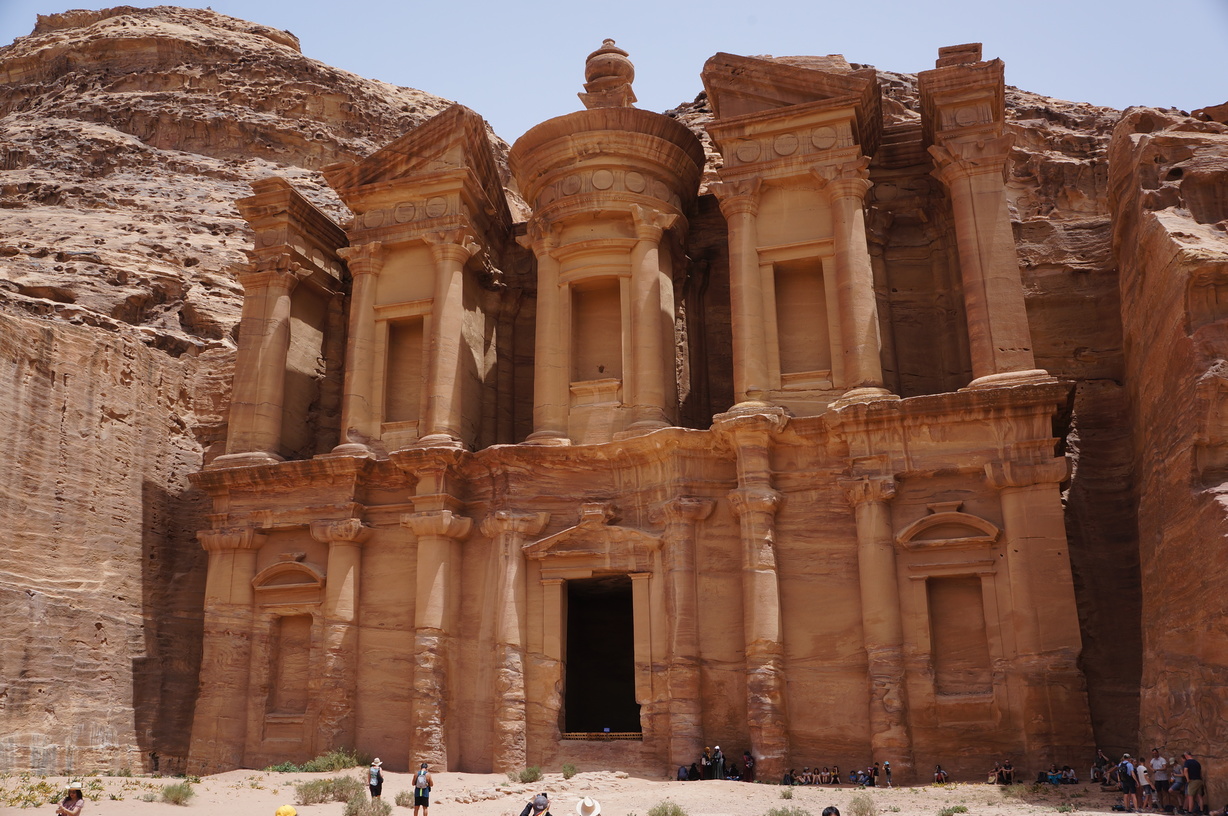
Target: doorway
{"points": [[600, 670]]}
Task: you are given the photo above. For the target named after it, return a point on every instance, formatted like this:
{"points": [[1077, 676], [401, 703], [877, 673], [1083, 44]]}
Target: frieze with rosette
{"points": [[407, 212], [804, 142], [603, 180]]}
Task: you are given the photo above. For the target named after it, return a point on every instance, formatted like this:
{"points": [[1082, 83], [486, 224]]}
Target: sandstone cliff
{"points": [[125, 137]]}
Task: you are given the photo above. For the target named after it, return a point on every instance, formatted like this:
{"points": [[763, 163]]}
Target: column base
{"points": [[249, 459], [1033, 376], [345, 449], [555, 439], [864, 393], [439, 440]]}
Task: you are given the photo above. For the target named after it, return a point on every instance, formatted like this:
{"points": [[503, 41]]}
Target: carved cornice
{"points": [[958, 159], [438, 524], [349, 530], [861, 489], [737, 197], [509, 522], [1002, 475], [745, 500], [364, 259], [231, 538]]}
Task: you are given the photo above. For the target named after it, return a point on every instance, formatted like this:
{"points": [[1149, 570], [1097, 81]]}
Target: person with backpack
{"points": [[375, 779], [422, 789], [539, 805], [1129, 783]]}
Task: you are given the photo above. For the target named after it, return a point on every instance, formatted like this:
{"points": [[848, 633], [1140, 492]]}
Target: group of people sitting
{"points": [[870, 777]]}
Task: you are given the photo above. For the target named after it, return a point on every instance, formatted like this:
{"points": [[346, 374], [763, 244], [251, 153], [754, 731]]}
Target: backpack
{"points": [[1125, 769], [420, 780]]}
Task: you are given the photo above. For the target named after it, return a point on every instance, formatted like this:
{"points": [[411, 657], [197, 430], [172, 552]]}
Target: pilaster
{"points": [[359, 427]]}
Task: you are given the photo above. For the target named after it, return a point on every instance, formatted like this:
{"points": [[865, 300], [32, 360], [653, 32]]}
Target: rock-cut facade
{"points": [[657, 463]]}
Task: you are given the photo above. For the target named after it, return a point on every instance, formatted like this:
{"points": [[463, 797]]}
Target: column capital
{"points": [[754, 499], [542, 237], [364, 259], [349, 530], [231, 538], [438, 523], [1001, 475], [650, 223], [761, 419], [737, 197], [452, 245], [850, 179], [957, 159], [861, 489], [504, 522], [275, 271], [682, 510]]}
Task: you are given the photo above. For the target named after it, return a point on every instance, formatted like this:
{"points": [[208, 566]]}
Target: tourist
{"points": [[1098, 766], [1008, 772], [588, 807], [873, 774], [375, 778], [805, 778], [1069, 777], [748, 767], [718, 763], [825, 776], [731, 772], [692, 775], [1129, 783], [788, 778], [1159, 776], [539, 805], [423, 782], [1191, 771], [887, 771], [1054, 775], [705, 763], [1144, 785], [940, 776], [835, 774], [682, 773], [995, 774], [831, 810], [72, 804]]}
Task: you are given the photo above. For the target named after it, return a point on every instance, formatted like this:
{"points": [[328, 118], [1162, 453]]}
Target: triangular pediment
{"points": [[738, 86], [594, 537], [453, 141]]}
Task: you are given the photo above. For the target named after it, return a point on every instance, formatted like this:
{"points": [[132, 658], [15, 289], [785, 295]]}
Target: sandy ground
{"points": [[257, 793]]}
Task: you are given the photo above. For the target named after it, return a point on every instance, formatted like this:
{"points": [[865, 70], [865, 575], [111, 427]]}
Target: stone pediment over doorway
{"points": [[596, 545]]}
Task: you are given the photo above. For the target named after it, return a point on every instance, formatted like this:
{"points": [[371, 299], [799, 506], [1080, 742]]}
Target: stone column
{"points": [[508, 530], [444, 378], [1050, 691], [974, 172], [860, 341], [648, 396], [881, 624], [681, 515], [336, 690], [740, 203], [219, 727], [254, 434], [551, 375], [359, 418], [439, 533], [755, 503]]}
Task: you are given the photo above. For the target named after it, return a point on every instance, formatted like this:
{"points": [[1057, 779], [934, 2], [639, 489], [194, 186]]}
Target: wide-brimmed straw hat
{"points": [[588, 807], [74, 786], [377, 761]]}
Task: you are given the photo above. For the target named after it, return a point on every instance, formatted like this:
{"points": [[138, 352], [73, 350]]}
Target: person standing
{"points": [[422, 789], [718, 763], [375, 778], [1129, 783], [748, 767], [1191, 771], [887, 771], [73, 803], [1159, 776], [1146, 792], [705, 763]]}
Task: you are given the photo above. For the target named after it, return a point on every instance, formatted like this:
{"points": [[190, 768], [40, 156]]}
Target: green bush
{"points": [[530, 774], [952, 810], [791, 810], [333, 789], [178, 794], [338, 759], [786, 793], [569, 770], [405, 798], [359, 806], [1065, 807], [666, 808], [862, 805]]}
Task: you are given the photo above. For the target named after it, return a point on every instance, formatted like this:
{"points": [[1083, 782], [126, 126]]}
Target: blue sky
{"points": [[518, 63]]}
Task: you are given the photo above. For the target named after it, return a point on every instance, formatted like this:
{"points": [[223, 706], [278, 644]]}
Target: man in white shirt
{"points": [[1159, 776]]}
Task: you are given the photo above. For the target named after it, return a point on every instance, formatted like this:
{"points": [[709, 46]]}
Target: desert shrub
{"points": [[667, 808], [333, 789], [359, 806], [569, 770], [148, 797], [862, 805], [178, 794], [282, 767], [786, 793], [952, 810], [404, 798], [338, 759], [1065, 807], [790, 810], [530, 774]]}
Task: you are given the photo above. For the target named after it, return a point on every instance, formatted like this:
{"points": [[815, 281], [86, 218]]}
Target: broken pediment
{"points": [[948, 528], [451, 144], [594, 543]]}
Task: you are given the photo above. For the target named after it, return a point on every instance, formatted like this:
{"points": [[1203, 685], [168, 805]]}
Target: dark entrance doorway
{"points": [[600, 676]]}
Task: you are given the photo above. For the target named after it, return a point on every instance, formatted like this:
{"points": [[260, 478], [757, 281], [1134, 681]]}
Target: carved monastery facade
{"points": [[651, 470]]}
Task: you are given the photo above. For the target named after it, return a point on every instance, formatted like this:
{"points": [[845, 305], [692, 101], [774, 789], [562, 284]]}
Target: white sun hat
{"points": [[588, 807]]}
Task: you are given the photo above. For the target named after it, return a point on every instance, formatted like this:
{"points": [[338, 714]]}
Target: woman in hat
{"points": [[588, 807], [375, 778], [73, 803], [539, 805]]}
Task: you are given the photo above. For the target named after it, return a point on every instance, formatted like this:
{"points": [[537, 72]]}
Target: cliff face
{"points": [[125, 137]]}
